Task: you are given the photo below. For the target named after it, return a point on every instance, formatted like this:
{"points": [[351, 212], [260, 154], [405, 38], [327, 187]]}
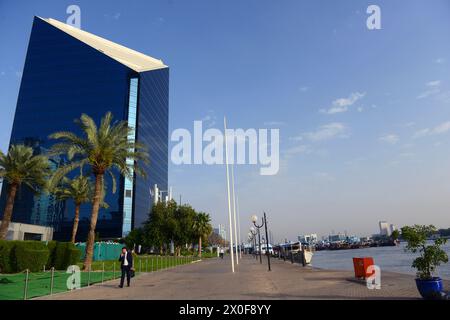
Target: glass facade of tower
{"points": [[152, 131], [64, 77]]}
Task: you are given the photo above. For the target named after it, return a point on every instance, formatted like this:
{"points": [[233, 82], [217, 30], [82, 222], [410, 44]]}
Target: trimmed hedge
{"points": [[51, 245], [66, 254], [30, 255], [16, 256], [31, 259], [7, 256]]}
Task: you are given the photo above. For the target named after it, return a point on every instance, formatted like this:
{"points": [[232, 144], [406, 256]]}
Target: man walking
{"points": [[126, 264]]}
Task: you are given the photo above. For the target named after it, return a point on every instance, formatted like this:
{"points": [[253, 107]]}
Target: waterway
{"points": [[387, 258]]}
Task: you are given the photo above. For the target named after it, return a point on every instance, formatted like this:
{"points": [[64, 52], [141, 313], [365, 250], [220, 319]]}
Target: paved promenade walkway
{"points": [[212, 279]]}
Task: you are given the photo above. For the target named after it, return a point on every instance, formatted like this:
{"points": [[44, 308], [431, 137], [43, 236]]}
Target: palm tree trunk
{"points": [[94, 215], [200, 247], [8, 210], [76, 219]]}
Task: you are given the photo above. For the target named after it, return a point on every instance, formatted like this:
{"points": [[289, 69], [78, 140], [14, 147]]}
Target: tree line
{"points": [[172, 223]]}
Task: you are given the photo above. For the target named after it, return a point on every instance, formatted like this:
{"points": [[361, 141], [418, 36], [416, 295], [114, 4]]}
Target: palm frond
{"points": [[113, 179], [62, 171]]}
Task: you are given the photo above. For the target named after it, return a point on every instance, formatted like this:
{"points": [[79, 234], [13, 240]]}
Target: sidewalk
{"points": [[212, 279]]}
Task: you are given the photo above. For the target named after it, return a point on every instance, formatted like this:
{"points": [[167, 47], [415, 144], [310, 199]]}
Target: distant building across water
{"points": [[308, 238], [386, 229]]}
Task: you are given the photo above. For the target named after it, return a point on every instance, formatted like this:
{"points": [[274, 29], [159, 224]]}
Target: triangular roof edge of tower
{"points": [[135, 60]]}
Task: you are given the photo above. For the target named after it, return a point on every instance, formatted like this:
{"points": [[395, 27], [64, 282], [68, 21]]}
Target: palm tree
{"points": [[103, 149], [19, 166], [77, 189], [202, 228]]}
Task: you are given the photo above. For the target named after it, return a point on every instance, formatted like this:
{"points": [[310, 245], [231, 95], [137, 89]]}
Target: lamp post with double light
{"points": [[263, 224]]}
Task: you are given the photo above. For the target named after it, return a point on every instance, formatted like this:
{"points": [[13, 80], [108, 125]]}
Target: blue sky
{"points": [[364, 115]]}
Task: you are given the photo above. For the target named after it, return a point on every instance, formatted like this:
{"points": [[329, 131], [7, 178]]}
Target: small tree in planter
{"points": [[431, 256]]}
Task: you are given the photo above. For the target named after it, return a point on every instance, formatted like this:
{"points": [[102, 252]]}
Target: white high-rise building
{"points": [[221, 232], [392, 228], [386, 229], [308, 238]]}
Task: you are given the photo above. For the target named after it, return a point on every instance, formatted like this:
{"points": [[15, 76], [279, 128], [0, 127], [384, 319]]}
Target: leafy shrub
{"points": [[17, 256], [66, 254], [7, 257], [74, 256], [51, 245], [430, 256], [32, 255], [31, 259]]}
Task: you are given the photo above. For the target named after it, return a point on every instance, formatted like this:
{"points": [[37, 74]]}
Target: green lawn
{"points": [[12, 286], [143, 263]]}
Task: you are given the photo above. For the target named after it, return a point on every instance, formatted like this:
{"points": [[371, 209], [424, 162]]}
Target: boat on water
{"points": [[295, 251], [345, 245]]}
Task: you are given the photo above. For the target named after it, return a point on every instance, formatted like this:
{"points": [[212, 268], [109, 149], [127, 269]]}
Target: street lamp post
{"points": [[263, 224], [259, 238], [253, 232], [267, 242]]}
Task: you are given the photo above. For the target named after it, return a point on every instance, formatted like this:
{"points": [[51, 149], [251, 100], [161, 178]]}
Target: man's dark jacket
{"points": [[129, 256]]}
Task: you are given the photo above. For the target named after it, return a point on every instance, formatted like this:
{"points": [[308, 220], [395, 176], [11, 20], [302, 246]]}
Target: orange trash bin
{"points": [[360, 265]]}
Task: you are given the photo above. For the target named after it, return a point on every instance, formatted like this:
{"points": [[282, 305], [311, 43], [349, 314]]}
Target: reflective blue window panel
{"points": [[128, 187]]}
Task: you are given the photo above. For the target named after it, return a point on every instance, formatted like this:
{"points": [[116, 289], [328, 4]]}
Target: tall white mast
{"points": [[234, 212], [239, 227], [228, 192]]}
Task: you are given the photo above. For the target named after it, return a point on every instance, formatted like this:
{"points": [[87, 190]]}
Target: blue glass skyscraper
{"points": [[68, 72]]}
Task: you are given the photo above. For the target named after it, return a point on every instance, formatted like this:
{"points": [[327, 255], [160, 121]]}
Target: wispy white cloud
{"points": [[407, 154], [324, 176], [433, 89], [115, 16], [435, 83], [342, 104], [439, 60], [300, 149], [328, 131], [159, 21], [389, 138], [274, 123], [408, 145], [355, 161], [408, 124], [304, 89], [393, 163], [439, 129]]}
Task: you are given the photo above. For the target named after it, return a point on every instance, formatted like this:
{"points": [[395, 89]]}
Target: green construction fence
{"points": [[102, 250]]}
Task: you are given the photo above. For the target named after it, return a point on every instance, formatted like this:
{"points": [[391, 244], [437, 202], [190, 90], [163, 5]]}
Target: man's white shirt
{"points": [[125, 261]]}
